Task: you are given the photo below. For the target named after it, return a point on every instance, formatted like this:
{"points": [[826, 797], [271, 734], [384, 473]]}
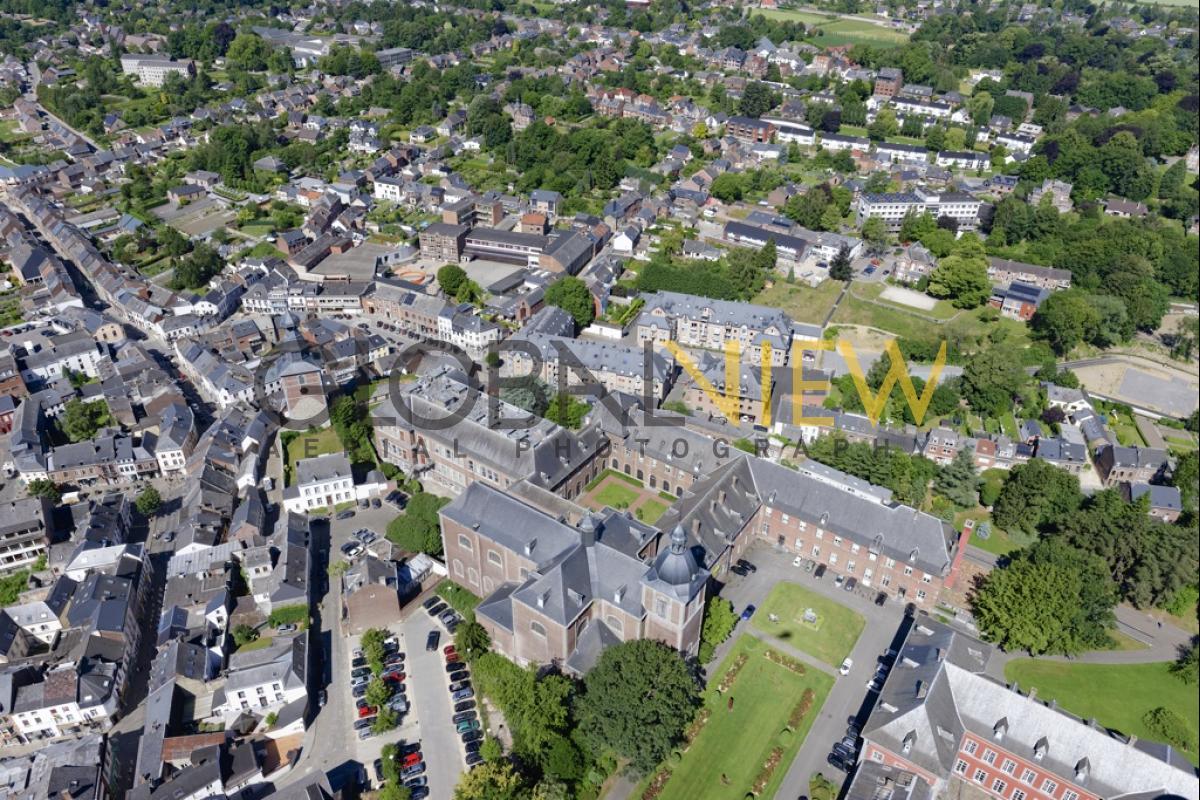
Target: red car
{"points": [[449, 650], [367, 711], [452, 657], [410, 760], [394, 677]]}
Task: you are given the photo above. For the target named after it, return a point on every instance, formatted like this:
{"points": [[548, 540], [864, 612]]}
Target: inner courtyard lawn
{"points": [[310, 445], [832, 637], [726, 758], [1116, 695], [615, 494]]}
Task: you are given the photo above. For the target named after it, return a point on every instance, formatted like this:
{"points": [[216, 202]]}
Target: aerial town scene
{"points": [[599, 400]]}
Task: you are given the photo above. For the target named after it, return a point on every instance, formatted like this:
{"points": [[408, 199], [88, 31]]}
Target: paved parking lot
{"points": [[430, 699]]}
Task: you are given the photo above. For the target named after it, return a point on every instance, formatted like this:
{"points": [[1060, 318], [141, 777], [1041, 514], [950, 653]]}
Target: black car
{"points": [[430, 602], [453, 626], [471, 736], [737, 569], [365, 722], [431, 641], [461, 675], [454, 666], [462, 717], [838, 763], [419, 793], [436, 609], [359, 690], [347, 514], [407, 749], [473, 747], [881, 598], [465, 705], [379, 770], [850, 584], [746, 565], [456, 687], [819, 572], [473, 759]]}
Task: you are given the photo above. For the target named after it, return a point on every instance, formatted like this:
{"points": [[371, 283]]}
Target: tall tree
{"points": [[839, 268], [957, 480], [1049, 598], [962, 275], [571, 295], [1035, 495], [991, 379], [637, 701]]}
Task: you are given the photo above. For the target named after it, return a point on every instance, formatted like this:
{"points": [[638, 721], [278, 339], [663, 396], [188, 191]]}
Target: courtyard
{"points": [[807, 621], [756, 712], [622, 492], [310, 444]]}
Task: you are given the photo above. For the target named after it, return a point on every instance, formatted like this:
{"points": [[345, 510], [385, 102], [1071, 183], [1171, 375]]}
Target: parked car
{"points": [[286, 628], [461, 675], [850, 584], [322, 698], [347, 514], [460, 685], [467, 725], [431, 641], [375, 502], [881, 598], [413, 771], [449, 650], [420, 793], [798, 561], [846, 666], [411, 758], [414, 783], [358, 690], [360, 724], [465, 694], [465, 705], [347, 547], [453, 666], [378, 770], [360, 672], [746, 565], [819, 572], [473, 759], [367, 711], [436, 609], [471, 736], [453, 626], [366, 733], [839, 580], [748, 612], [408, 747], [448, 616], [463, 716]]}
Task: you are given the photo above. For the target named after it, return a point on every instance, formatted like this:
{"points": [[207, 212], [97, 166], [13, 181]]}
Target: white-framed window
{"points": [[464, 542], [989, 757], [495, 558], [1018, 795], [1028, 776], [908, 570], [1070, 794], [980, 776], [1009, 766], [998, 786], [1049, 786], [961, 767]]}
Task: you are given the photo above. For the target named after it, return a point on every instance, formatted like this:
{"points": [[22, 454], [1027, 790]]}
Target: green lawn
{"points": [[458, 598], [310, 445], [907, 324], [616, 495], [1008, 423], [260, 643], [1116, 695], [800, 301], [724, 760], [834, 635], [830, 31], [650, 510], [599, 479]]}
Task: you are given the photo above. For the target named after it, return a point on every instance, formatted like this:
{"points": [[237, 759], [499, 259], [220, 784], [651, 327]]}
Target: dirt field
{"points": [[908, 297]]}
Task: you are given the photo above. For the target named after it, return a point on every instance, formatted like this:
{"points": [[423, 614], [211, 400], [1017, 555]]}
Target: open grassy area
{"points": [[650, 510], [800, 301], [616, 495], [830, 31], [309, 445], [832, 637], [458, 598], [910, 324], [726, 757], [261, 643], [1116, 695]]}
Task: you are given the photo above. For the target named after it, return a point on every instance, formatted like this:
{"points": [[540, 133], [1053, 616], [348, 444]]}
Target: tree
{"points": [[148, 502], [839, 268], [377, 693], [1049, 598], [719, 622], [1149, 560], [757, 99], [962, 275], [637, 700], [1187, 666], [451, 278], [567, 411], [471, 640], [874, 233], [1186, 478], [1035, 495], [491, 780], [991, 379], [247, 52], [1170, 727], [418, 530], [81, 420], [728, 187], [571, 295], [1064, 320], [957, 480], [491, 749], [394, 790], [244, 634], [385, 720], [372, 647], [41, 487]]}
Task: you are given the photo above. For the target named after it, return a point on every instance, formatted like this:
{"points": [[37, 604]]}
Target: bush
{"points": [[719, 622], [244, 635], [289, 615], [1170, 727]]}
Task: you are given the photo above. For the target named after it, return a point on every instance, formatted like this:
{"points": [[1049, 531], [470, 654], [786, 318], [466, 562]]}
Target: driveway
{"points": [[849, 697]]}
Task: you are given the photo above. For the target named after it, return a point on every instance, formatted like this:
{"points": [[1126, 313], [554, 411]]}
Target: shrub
{"points": [[289, 615], [1170, 727]]}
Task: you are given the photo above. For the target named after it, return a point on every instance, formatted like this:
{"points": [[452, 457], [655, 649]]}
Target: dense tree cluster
{"points": [[906, 475]]}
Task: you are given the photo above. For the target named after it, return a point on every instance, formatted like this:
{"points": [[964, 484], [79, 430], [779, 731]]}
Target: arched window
{"points": [[538, 629]]}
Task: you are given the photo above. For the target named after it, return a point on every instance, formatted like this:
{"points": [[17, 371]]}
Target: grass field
{"points": [[801, 302], [905, 323], [650, 510], [261, 643], [830, 31], [616, 495], [724, 760], [1117, 695], [309, 445], [833, 637]]}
